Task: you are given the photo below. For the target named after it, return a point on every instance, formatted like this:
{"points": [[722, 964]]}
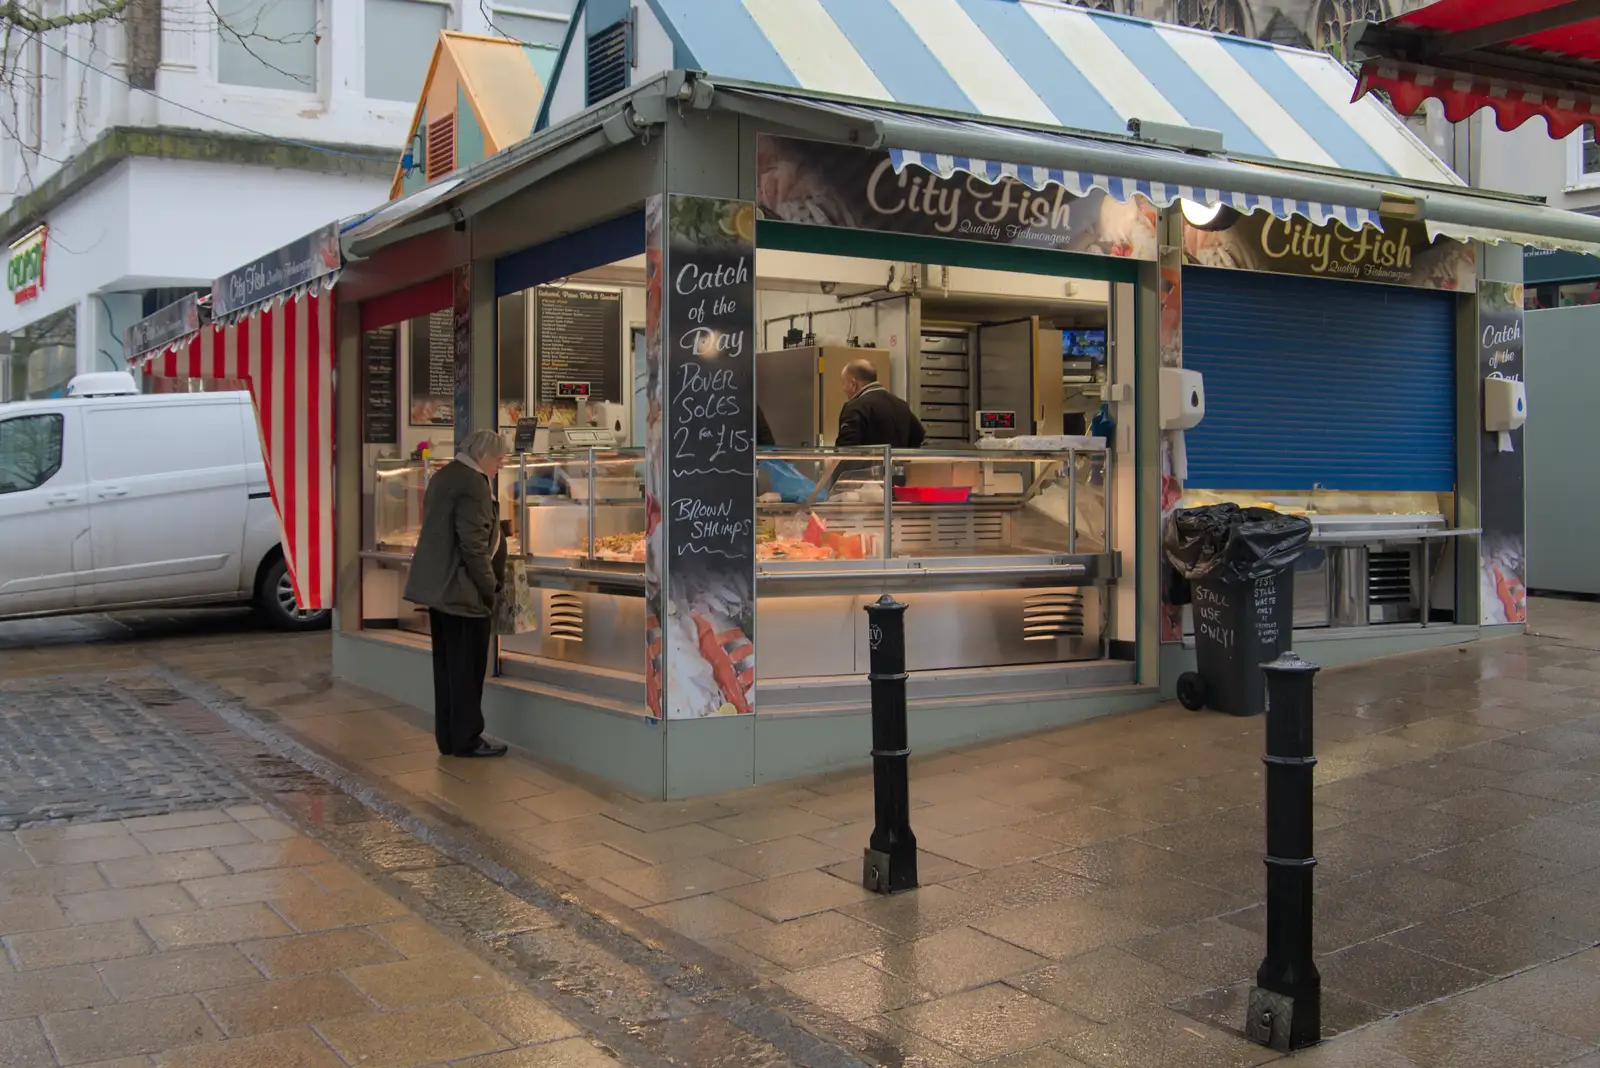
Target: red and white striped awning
{"points": [[283, 352]]}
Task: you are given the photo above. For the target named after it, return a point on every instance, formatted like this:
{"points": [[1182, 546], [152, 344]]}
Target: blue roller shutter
{"points": [[1319, 384]]}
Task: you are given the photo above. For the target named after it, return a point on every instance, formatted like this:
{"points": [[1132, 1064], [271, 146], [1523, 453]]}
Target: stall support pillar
{"points": [[890, 863], [1285, 1009], [700, 488]]}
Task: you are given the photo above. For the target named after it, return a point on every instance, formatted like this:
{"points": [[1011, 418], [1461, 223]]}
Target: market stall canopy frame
{"points": [[480, 95], [1521, 59], [1034, 62]]}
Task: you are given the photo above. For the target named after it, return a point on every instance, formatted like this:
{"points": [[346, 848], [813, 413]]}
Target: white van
{"points": [[111, 499]]}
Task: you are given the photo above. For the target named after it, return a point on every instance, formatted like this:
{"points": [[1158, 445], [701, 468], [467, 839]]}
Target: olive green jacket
{"points": [[453, 570]]}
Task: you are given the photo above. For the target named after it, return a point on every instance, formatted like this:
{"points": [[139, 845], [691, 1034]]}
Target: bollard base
{"points": [[1270, 1021], [881, 875]]}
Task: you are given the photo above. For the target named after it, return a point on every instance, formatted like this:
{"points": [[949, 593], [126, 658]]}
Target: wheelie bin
{"points": [[1238, 563]]}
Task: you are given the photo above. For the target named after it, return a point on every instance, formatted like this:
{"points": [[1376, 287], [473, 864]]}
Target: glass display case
{"points": [[397, 491], [1003, 555], [587, 507], [581, 520]]}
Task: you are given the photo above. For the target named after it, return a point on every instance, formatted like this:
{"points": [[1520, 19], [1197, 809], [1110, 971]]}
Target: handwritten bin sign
{"points": [[296, 264], [25, 268]]}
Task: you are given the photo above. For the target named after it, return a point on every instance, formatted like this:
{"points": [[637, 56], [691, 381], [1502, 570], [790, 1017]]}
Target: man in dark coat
{"points": [[872, 415], [453, 577]]}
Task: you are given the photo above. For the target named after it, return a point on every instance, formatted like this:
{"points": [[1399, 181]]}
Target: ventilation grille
{"points": [[951, 530], [1048, 616], [565, 618], [607, 64], [441, 146], [1389, 578]]}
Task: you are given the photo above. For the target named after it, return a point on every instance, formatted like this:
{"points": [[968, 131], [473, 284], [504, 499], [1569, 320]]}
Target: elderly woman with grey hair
{"points": [[456, 575]]}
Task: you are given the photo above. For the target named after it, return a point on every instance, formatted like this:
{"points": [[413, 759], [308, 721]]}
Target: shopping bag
{"points": [[516, 608]]}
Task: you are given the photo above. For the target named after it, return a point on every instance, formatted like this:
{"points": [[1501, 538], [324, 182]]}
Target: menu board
{"points": [[578, 338], [708, 385], [380, 423], [433, 369], [461, 322], [513, 369]]}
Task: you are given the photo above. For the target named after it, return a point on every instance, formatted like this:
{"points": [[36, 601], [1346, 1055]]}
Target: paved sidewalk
{"points": [[223, 938], [1091, 895]]}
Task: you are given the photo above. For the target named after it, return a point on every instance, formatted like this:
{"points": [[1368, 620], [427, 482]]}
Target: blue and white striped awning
{"points": [[1161, 194], [1047, 63]]}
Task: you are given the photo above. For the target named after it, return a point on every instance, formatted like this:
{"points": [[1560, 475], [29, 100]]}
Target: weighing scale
{"points": [[580, 436]]}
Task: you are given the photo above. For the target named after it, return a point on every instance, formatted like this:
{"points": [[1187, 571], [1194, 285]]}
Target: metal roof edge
{"points": [[476, 186]]}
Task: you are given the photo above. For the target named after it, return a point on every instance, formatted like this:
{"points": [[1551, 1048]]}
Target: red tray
{"points": [[933, 494]]}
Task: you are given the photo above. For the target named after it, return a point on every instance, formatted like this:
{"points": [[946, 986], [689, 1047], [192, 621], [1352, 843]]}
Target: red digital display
{"points": [[997, 420], [572, 389]]}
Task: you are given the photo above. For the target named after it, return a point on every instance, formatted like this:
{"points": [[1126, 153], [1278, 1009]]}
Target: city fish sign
{"points": [[824, 184], [296, 264], [1401, 254], [25, 268], [178, 319]]}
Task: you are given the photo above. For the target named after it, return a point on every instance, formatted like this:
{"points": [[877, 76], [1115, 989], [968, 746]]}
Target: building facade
{"points": [[143, 156]]}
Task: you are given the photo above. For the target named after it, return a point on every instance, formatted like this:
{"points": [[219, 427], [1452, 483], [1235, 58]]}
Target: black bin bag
{"points": [[1238, 562]]}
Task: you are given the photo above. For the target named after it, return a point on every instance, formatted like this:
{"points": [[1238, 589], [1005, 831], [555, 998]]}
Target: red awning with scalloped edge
{"points": [[1520, 58]]}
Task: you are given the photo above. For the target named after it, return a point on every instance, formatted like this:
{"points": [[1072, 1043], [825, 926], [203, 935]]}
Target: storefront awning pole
{"points": [[1489, 215], [1173, 168], [1462, 209]]}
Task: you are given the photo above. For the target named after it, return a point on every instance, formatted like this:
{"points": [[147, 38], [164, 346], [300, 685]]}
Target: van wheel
{"points": [[276, 602]]}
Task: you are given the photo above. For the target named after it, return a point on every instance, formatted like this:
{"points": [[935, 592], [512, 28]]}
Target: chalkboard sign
{"points": [[433, 369], [708, 453], [461, 346], [710, 407], [527, 427], [513, 358], [380, 423], [578, 339]]}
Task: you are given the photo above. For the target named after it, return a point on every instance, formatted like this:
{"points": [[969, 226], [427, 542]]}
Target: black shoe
{"points": [[485, 749]]}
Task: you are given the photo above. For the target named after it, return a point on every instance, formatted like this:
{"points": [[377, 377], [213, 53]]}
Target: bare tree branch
{"points": [[15, 14]]}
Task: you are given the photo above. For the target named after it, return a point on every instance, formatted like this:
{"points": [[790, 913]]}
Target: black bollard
{"points": [[890, 864], [1286, 1002]]}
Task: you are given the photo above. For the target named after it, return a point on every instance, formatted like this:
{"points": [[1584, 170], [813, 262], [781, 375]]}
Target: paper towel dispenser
{"points": [[1183, 398], [1505, 404]]}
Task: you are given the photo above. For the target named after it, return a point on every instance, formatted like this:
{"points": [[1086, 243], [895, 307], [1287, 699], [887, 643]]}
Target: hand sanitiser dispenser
{"points": [[1183, 398]]}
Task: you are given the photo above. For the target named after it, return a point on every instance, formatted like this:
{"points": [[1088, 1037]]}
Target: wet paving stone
{"points": [[471, 900], [90, 750]]}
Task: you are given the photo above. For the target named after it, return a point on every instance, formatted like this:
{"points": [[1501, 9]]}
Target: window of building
{"points": [[30, 451], [1333, 19], [606, 62], [401, 36], [269, 44], [1218, 16], [1588, 153], [544, 23]]}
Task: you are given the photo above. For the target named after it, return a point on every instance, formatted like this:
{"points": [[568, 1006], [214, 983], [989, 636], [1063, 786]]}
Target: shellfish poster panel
{"points": [[1503, 566], [704, 508], [823, 184]]}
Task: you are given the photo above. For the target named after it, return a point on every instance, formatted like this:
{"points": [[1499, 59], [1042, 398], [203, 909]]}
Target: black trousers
{"points": [[460, 660]]}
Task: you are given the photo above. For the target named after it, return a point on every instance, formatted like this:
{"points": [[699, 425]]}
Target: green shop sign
{"points": [[25, 268]]}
